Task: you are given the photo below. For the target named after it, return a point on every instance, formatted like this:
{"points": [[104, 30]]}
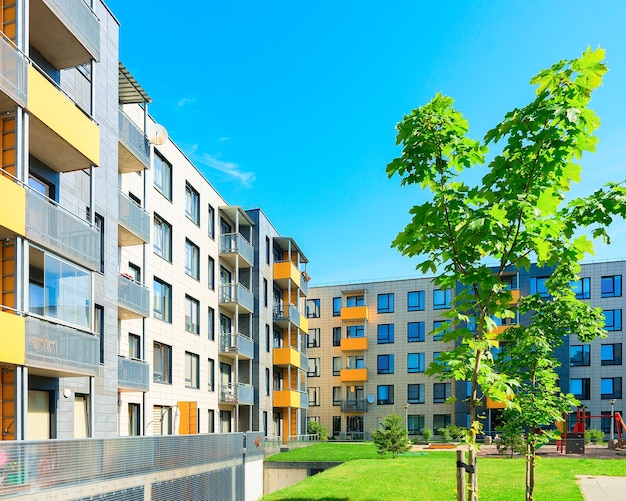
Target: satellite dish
{"points": [[157, 134], [371, 399]]}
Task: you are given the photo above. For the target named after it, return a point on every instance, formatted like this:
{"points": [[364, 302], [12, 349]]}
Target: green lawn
{"points": [[431, 477]]}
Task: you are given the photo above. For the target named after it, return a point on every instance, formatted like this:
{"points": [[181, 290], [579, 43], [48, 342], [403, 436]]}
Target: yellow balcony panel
{"points": [[354, 313], [285, 271], [492, 404], [353, 375], [516, 296], [286, 356], [499, 329], [354, 344], [12, 339], [61, 135], [286, 398], [12, 208], [304, 323]]}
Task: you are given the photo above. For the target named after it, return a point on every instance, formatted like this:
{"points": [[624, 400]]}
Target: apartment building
{"points": [[135, 299], [369, 344]]}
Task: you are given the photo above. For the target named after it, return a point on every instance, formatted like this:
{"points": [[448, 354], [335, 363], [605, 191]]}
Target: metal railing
{"points": [[133, 139], [354, 405], [274, 445], [14, 72], [80, 20], [133, 296], [133, 217], [236, 243], [237, 293], [237, 343], [245, 394], [133, 374]]}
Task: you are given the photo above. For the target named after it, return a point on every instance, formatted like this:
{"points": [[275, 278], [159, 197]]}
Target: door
{"points": [[39, 415]]}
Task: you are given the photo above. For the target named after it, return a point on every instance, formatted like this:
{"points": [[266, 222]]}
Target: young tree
{"points": [[315, 428], [514, 214], [391, 436]]}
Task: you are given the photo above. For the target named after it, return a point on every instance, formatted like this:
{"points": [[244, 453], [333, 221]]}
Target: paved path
{"points": [[599, 488]]}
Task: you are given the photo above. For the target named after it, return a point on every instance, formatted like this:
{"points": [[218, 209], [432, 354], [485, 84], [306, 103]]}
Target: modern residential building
{"points": [[369, 344], [134, 299]]}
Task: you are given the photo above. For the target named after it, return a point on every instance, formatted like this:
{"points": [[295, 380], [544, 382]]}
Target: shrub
{"points": [[427, 434], [594, 435], [391, 436], [445, 433], [315, 428]]}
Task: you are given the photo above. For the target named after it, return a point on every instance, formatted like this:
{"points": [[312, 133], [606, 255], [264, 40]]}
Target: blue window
{"points": [[415, 362], [441, 299], [385, 303], [436, 325], [581, 288], [415, 332], [611, 354], [385, 364], [355, 301], [415, 301], [385, 333], [385, 394], [441, 392], [579, 355], [610, 387], [580, 388], [611, 286], [355, 331], [415, 393], [538, 286], [313, 308], [336, 306], [613, 320]]}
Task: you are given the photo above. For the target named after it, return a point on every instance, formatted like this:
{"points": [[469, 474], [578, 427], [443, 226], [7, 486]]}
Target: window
{"points": [[98, 317], [211, 322], [98, 220], [162, 175], [314, 338], [415, 332], [268, 250], [611, 354], [605, 422], [336, 336], [441, 421], [336, 306], [385, 364], [579, 355], [267, 382], [192, 372], [611, 286], [336, 395], [162, 363], [313, 308], [211, 222], [385, 303], [211, 273], [267, 338], [134, 420], [162, 294], [278, 339], [352, 301], [162, 238], [211, 421], [415, 424], [441, 299], [314, 367], [265, 292], [415, 301], [582, 288], [314, 396], [384, 394], [441, 392], [192, 259], [336, 366], [134, 346], [192, 315], [211, 384], [355, 362], [538, 286], [355, 331], [135, 272], [385, 333], [415, 362], [336, 425], [192, 204], [610, 387], [415, 393], [580, 388], [439, 324], [613, 320]]}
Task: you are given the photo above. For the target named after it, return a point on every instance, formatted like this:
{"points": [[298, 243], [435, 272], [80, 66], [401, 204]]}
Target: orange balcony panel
{"points": [[492, 404], [286, 398], [354, 344], [353, 375], [354, 313], [304, 323], [286, 356], [287, 270], [515, 294]]}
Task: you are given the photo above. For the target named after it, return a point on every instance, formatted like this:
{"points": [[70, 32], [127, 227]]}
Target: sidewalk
{"points": [[602, 488]]}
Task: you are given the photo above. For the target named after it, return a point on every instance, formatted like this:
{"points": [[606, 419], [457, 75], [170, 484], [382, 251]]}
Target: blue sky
{"points": [[291, 106]]}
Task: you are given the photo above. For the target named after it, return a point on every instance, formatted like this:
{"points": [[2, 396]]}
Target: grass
{"points": [[432, 477], [329, 451]]}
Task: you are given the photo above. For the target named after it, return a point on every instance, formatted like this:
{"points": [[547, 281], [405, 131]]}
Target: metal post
{"points": [[406, 417], [612, 402]]}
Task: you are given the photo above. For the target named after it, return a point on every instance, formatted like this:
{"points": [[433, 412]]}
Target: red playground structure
{"points": [[579, 427]]}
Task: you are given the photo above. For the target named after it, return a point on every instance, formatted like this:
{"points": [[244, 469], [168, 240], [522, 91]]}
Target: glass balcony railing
{"points": [[78, 17], [235, 293], [135, 142], [228, 394], [245, 394], [57, 229], [234, 243], [304, 400], [14, 71], [133, 297], [237, 343], [134, 219], [133, 374], [354, 405]]}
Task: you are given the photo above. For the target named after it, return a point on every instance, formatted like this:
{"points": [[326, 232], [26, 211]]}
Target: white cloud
{"points": [[231, 169], [184, 101], [223, 139]]}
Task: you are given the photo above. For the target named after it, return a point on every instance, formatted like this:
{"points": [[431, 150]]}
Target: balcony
{"points": [[353, 375], [132, 375], [61, 135], [12, 329], [286, 272], [66, 32], [228, 395], [57, 229], [12, 208], [234, 294], [353, 344], [354, 313], [236, 344], [492, 404], [133, 222], [133, 299], [133, 154], [304, 400], [13, 75], [284, 357], [60, 350], [233, 245], [354, 405], [282, 316], [288, 398], [245, 394]]}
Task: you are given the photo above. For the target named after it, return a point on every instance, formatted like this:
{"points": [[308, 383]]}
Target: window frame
{"points": [[385, 363], [616, 354], [444, 302], [388, 389], [582, 360], [192, 259], [420, 296], [438, 389], [193, 325], [313, 338], [419, 362], [192, 370], [337, 306], [413, 388], [313, 308], [385, 302], [585, 388], [616, 388], [162, 176], [165, 297], [615, 286], [616, 324], [162, 245], [161, 358], [385, 334], [421, 334]]}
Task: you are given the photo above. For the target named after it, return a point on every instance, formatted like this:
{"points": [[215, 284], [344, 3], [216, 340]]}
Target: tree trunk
{"points": [[473, 476], [461, 486], [530, 471]]}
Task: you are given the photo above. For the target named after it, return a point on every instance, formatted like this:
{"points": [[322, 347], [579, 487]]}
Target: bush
{"points": [[445, 433], [594, 435], [315, 428], [391, 436], [427, 434]]}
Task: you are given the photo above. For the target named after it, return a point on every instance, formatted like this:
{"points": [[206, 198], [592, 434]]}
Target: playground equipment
{"points": [[580, 427]]}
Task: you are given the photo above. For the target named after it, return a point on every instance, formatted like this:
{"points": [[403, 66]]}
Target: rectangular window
{"points": [[415, 424], [580, 388], [439, 324], [385, 303], [336, 366], [415, 301], [415, 332], [162, 294], [267, 338], [355, 362], [313, 308], [605, 422], [268, 250], [211, 385], [384, 394], [611, 354], [611, 286], [441, 299], [314, 367], [538, 286], [134, 420], [415, 393], [162, 175], [353, 331], [613, 320], [314, 396], [610, 387], [211, 273], [192, 204], [441, 392], [336, 306], [441, 421], [211, 218], [192, 371], [192, 315], [581, 288], [211, 421], [161, 363], [134, 346], [415, 362], [192, 259], [336, 395], [352, 301], [162, 231], [99, 222], [385, 333], [314, 338], [385, 364], [267, 382], [98, 327], [211, 322], [336, 336], [579, 355], [265, 292]]}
